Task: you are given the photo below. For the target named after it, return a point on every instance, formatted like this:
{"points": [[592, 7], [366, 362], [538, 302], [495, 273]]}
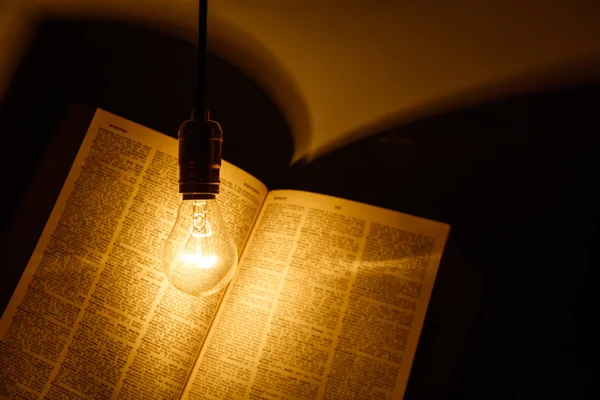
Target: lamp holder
{"points": [[200, 152]]}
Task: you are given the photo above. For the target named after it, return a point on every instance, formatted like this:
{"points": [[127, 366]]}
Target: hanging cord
{"points": [[201, 78]]}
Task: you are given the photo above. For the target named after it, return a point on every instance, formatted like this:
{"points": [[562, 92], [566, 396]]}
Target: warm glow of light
{"points": [[192, 256], [199, 257], [199, 260]]}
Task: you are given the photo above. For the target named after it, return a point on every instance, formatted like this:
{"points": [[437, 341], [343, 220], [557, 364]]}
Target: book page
{"points": [[93, 315], [328, 303]]}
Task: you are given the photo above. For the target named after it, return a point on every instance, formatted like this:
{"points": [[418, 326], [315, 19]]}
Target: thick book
{"points": [[327, 303]]}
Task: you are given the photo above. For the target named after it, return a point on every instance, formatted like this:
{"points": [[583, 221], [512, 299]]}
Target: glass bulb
{"points": [[199, 256]]}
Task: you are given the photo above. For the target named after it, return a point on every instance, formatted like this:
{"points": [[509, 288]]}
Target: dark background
{"points": [[513, 312]]}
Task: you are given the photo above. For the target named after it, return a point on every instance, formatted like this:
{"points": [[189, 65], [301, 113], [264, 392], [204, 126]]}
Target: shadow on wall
{"points": [[547, 79], [139, 74]]}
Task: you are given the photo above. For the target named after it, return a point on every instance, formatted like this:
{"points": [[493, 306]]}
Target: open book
{"points": [[328, 301]]}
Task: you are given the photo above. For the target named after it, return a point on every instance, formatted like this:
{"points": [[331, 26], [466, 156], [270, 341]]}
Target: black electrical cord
{"points": [[201, 78]]}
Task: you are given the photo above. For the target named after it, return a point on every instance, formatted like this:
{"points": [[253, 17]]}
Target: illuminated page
{"points": [[328, 304], [93, 315]]}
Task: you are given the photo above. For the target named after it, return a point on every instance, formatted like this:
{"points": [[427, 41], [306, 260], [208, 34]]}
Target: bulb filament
{"points": [[193, 254]]}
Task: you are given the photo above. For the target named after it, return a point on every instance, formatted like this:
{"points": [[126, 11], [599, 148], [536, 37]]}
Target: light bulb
{"points": [[199, 257]]}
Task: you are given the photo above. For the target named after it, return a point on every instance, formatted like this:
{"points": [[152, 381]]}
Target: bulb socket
{"points": [[200, 152]]}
